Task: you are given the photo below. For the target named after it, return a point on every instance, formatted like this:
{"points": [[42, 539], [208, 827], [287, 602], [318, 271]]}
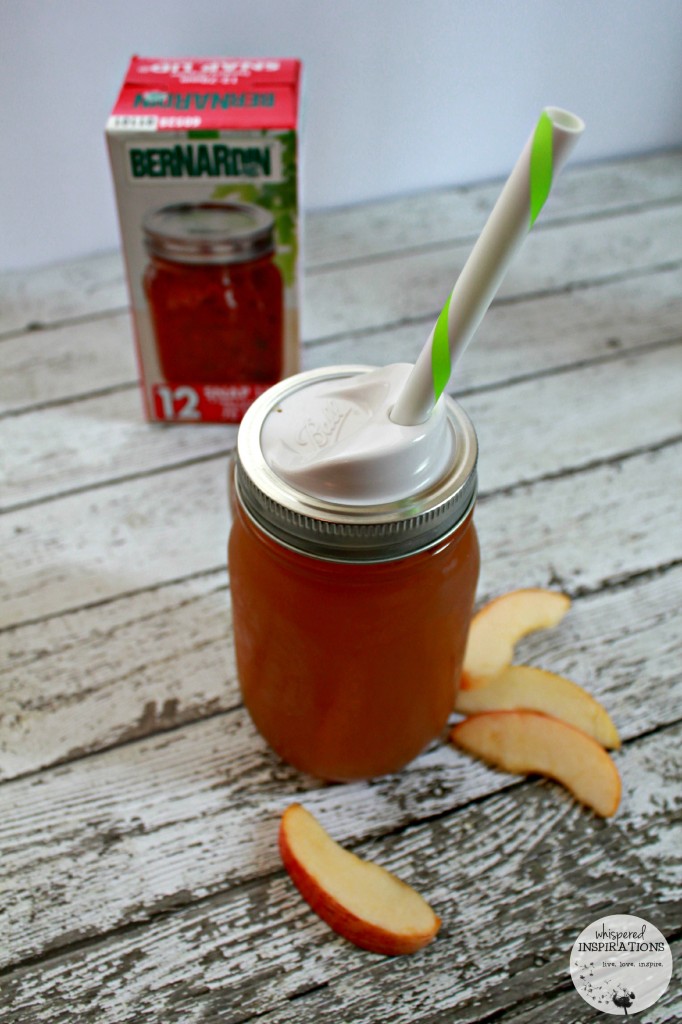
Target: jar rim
{"points": [[209, 232], [360, 533]]}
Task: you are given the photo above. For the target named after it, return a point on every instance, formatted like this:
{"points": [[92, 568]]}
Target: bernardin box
{"points": [[204, 155]]}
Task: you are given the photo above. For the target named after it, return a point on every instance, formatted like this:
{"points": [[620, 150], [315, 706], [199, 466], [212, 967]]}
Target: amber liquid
{"points": [[350, 670], [217, 324]]}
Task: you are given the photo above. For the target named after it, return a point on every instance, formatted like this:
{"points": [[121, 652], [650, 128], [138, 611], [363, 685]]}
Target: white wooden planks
{"points": [[145, 663], [131, 829], [46, 367], [64, 292], [96, 356], [164, 657], [437, 217], [138, 814], [89, 547], [560, 258], [96, 284], [517, 875], [41, 455]]}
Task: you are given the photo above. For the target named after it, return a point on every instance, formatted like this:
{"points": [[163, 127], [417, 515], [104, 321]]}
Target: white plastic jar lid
{"points": [[323, 469]]}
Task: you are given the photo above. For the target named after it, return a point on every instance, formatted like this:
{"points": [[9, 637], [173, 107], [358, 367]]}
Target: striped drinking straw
{"points": [[512, 217]]}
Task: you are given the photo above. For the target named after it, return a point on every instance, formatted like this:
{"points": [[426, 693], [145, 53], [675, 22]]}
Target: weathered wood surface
{"points": [[38, 454], [585, 325], [220, 775], [563, 1010], [87, 548], [260, 946], [138, 810], [163, 657], [34, 299]]}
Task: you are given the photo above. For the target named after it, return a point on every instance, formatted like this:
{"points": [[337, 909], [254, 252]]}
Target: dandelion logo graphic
{"points": [[621, 997], [621, 964]]}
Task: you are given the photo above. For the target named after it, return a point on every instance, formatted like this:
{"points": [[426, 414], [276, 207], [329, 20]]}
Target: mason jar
{"points": [[214, 292], [350, 617]]}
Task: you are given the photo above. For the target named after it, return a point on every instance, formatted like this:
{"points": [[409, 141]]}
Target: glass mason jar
{"points": [[214, 293], [350, 621]]}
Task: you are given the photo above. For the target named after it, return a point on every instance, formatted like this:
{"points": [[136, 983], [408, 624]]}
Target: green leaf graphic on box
{"points": [[280, 199]]}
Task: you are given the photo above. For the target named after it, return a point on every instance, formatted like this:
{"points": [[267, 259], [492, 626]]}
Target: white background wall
{"points": [[401, 95]]}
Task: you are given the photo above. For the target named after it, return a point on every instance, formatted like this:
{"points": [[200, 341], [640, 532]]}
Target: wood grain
{"points": [[443, 215], [164, 657], [147, 663], [67, 363], [220, 775], [60, 364], [96, 284], [515, 878], [353, 298], [535, 335], [547, 424], [87, 548], [567, 1007], [30, 300]]}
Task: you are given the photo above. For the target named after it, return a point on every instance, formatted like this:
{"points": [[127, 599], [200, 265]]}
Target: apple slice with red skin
{"points": [[500, 624], [525, 743], [357, 898], [522, 687]]}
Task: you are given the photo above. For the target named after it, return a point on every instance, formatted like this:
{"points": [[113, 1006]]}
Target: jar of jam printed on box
{"points": [[204, 154]]}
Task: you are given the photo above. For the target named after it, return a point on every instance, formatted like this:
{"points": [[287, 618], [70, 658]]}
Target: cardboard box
{"points": [[204, 154]]}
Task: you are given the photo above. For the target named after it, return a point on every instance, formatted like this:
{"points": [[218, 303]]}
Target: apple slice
{"points": [[358, 899], [533, 689], [525, 743], [501, 623]]}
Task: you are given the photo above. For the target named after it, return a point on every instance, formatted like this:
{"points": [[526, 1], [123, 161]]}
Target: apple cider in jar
{"points": [[353, 563]]}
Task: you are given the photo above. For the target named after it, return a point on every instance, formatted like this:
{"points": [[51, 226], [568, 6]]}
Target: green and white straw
{"points": [[512, 217]]}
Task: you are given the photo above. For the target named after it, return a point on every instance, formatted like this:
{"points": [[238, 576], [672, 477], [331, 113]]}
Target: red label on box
{"points": [[217, 403], [209, 94]]}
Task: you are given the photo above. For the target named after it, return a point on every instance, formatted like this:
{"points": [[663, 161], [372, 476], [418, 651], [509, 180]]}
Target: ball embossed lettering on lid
{"points": [[335, 440]]}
